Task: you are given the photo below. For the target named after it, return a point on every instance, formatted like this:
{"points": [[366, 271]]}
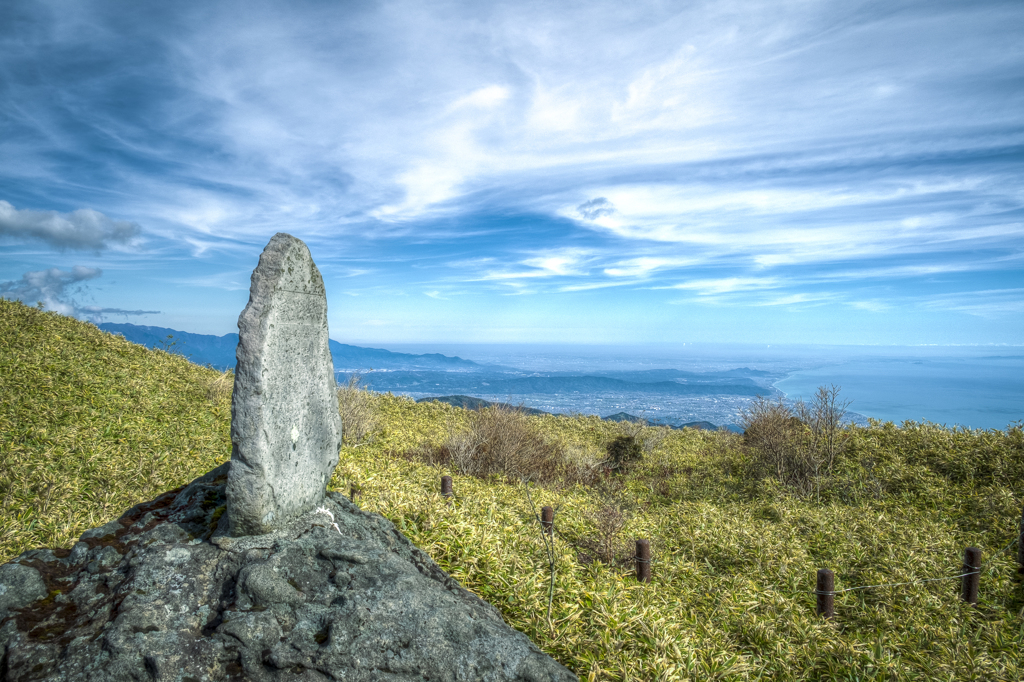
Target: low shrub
{"points": [[505, 441], [798, 445], [358, 414], [607, 542], [625, 450]]}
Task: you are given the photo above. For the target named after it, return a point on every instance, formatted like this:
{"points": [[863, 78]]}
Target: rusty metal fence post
{"points": [[446, 486], [643, 561], [826, 593], [972, 575], [547, 519]]}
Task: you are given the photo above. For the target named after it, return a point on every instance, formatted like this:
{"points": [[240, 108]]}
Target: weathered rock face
{"points": [[285, 426], [165, 593]]}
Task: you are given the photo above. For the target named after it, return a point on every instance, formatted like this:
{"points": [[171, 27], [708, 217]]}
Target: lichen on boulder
{"points": [[166, 593]]}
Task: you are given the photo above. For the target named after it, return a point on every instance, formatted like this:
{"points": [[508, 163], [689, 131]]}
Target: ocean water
{"points": [[976, 387], [985, 392]]}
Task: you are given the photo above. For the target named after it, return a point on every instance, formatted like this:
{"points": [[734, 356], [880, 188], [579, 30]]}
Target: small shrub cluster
{"points": [[799, 445], [358, 414], [503, 441], [625, 450], [609, 522], [506, 442]]}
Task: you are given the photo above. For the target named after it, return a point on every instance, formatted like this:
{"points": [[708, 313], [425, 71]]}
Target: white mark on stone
{"points": [[177, 555], [325, 510], [295, 434]]}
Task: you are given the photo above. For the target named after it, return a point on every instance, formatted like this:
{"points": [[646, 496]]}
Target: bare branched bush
{"points": [[637, 441], [503, 440], [798, 445], [776, 435], [609, 521], [221, 387], [603, 540], [460, 448], [649, 436], [824, 417], [652, 436], [358, 415]]}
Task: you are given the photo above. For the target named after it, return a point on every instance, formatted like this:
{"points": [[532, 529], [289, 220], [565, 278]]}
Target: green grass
{"points": [[91, 424]]}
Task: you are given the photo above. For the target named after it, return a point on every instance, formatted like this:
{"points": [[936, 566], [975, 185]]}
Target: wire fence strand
{"points": [[923, 580]]}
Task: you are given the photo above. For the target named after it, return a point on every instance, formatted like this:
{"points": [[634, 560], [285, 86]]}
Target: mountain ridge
{"points": [[219, 351]]}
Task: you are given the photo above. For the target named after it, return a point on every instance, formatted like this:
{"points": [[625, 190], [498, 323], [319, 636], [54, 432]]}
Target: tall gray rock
{"points": [[285, 425], [165, 593]]}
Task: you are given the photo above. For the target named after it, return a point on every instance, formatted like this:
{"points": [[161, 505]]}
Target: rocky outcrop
{"points": [[165, 593]]}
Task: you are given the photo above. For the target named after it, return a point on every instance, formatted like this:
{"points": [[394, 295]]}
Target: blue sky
{"points": [[584, 172]]}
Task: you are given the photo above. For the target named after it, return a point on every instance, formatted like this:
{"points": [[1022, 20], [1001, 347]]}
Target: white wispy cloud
{"points": [[554, 263], [643, 266], [874, 306], [60, 291], [796, 299], [784, 226], [982, 303], [727, 285]]}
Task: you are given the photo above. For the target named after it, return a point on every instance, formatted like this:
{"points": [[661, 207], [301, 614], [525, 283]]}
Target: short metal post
{"points": [[972, 575], [826, 593], [446, 486], [547, 519], [643, 561]]}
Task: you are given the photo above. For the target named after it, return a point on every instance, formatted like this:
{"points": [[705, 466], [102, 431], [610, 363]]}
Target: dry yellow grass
{"points": [[91, 424]]}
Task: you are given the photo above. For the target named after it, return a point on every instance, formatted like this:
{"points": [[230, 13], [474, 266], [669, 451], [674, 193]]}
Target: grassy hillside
{"points": [[91, 424]]}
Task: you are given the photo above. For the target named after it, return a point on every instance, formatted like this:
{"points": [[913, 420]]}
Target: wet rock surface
{"points": [[165, 593]]}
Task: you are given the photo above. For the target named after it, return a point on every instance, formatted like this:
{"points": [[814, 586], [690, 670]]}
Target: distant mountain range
{"points": [[219, 351], [433, 376], [626, 417], [470, 403]]}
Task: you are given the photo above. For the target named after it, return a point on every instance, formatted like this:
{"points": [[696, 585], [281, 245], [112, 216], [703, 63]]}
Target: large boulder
{"points": [[165, 593]]}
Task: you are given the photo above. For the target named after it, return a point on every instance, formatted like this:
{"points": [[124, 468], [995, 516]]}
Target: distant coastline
{"points": [[676, 386], [472, 403]]}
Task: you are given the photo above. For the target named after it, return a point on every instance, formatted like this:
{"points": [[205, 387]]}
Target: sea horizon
{"points": [[972, 386]]}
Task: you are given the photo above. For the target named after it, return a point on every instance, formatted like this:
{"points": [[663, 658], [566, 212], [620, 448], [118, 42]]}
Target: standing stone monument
{"points": [[285, 425]]}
